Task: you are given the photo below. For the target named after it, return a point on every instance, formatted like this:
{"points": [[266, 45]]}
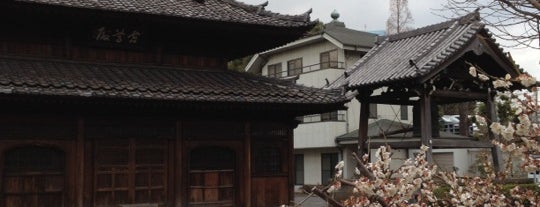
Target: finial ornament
{"points": [[334, 15]]}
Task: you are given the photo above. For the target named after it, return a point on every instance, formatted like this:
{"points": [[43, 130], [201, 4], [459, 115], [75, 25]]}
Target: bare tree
{"points": [[400, 17], [514, 20]]}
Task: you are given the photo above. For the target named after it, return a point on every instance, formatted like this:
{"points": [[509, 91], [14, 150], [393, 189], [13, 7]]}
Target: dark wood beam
{"points": [[460, 95], [363, 125], [389, 99]]}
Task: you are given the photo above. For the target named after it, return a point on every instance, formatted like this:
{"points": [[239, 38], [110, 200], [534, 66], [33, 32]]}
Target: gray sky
{"points": [[369, 15]]}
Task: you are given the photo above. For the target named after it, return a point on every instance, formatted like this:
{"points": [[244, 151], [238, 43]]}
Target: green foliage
{"points": [[239, 64], [528, 186], [318, 28], [442, 191], [504, 111]]}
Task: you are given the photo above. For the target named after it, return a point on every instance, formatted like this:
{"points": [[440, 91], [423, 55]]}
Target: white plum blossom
{"points": [[416, 180], [496, 128], [502, 84], [472, 71], [483, 77], [508, 132], [527, 80]]}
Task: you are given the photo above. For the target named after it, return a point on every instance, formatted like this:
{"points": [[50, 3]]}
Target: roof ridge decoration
{"points": [[469, 18], [260, 10], [213, 10]]}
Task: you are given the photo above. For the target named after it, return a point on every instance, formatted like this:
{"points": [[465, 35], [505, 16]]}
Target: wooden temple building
{"points": [[425, 68], [129, 103]]}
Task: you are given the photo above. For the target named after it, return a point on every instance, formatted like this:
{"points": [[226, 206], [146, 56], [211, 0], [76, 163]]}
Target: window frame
{"points": [[299, 169], [329, 63], [404, 112], [294, 70], [330, 116], [334, 159], [275, 73], [373, 110]]}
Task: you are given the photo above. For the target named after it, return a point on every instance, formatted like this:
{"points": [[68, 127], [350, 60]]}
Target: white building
{"points": [[317, 61]]}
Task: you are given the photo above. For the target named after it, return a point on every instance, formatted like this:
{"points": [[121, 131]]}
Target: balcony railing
{"points": [[307, 69], [330, 116]]}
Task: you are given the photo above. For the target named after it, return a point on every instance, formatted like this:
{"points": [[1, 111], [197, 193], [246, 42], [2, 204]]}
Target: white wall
{"points": [[463, 158], [318, 134], [312, 164], [317, 78], [310, 55]]}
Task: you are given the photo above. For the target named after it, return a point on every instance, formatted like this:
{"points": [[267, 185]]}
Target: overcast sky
{"points": [[369, 15]]}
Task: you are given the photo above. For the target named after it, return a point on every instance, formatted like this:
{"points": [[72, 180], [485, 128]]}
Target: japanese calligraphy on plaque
{"points": [[117, 35]]}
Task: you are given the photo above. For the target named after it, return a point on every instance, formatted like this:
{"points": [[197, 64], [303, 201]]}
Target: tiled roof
{"points": [[348, 36], [78, 79], [426, 47], [213, 10]]}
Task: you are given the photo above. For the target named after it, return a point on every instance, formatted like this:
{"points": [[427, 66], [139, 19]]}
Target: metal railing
{"points": [[309, 68]]}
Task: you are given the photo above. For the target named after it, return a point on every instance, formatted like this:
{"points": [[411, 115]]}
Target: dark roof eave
{"points": [[297, 109]]}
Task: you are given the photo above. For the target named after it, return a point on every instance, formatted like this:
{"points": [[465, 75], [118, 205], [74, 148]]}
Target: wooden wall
{"points": [[172, 162]]}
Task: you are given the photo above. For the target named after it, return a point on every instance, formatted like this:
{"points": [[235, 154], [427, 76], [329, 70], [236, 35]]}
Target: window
{"points": [[267, 160], [404, 113], [294, 67], [299, 169], [274, 70], [373, 111], [328, 164], [330, 116], [329, 59], [33, 176]]}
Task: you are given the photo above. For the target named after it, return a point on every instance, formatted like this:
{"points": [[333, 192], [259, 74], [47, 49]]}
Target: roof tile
{"points": [[213, 10], [427, 47], [55, 77]]}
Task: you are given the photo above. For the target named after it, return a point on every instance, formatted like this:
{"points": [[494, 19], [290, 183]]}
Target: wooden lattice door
{"points": [[212, 179], [34, 177], [130, 172]]}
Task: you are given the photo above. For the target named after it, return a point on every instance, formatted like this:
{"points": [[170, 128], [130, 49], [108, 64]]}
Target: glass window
{"points": [[329, 59], [404, 113], [299, 169], [328, 164], [274, 70], [373, 111], [330, 116], [294, 67]]}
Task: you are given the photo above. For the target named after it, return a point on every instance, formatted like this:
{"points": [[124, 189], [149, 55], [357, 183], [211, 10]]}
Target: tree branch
{"points": [[535, 4], [362, 168], [521, 11]]}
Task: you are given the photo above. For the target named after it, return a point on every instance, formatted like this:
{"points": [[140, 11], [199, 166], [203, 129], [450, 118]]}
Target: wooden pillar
{"points": [[180, 166], [426, 125], [416, 120], [79, 165], [290, 146], [492, 117], [363, 125], [247, 165]]}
